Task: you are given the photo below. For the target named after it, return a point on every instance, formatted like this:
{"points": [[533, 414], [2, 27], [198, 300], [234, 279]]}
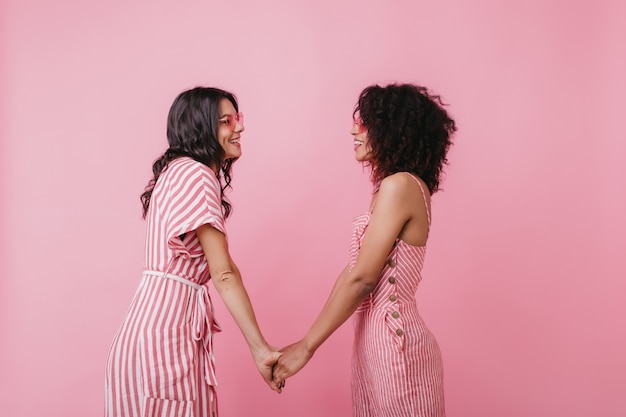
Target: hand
{"points": [[293, 358], [265, 363]]}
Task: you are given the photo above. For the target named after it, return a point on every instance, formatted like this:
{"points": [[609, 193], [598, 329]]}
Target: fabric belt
{"points": [[202, 321]]}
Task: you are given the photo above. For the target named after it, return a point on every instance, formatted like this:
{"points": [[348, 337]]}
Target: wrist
{"points": [[260, 350], [310, 346]]}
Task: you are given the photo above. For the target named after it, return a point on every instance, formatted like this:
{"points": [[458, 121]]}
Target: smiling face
{"points": [[229, 129], [362, 148]]}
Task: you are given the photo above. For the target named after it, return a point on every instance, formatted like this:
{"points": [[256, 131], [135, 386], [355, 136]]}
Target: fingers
{"points": [[280, 376], [276, 387], [278, 372], [265, 366], [275, 357], [283, 369], [278, 382], [268, 370]]}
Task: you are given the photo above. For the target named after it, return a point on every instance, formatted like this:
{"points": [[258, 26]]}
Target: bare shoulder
{"points": [[397, 185], [405, 190], [400, 195], [393, 193]]}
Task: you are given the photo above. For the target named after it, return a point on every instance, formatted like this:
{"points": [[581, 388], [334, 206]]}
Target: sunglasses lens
{"points": [[359, 125], [232, 120]]}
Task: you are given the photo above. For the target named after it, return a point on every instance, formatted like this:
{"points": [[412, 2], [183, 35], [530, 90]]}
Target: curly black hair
{"points": [[192, 125], [408, 131]]}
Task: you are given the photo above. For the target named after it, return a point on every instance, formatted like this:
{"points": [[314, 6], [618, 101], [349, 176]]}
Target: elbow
{"points": [[224, 278], [367, 288], [364, 285]]}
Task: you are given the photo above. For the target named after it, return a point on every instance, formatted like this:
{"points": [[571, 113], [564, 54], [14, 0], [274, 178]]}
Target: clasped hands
{"points": [[280, 365]]}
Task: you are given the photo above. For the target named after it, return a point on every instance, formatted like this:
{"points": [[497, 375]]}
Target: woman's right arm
{"points": [[227, 280]]}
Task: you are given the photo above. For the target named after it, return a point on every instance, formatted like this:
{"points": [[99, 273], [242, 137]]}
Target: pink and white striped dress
{"points": [[397, 369], [161, 360]]}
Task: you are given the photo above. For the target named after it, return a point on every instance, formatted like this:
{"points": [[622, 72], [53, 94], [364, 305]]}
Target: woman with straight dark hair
{"points": [[161, 361], [402, 133]]}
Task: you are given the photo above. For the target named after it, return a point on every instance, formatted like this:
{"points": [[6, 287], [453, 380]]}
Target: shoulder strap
{"points": [[423, 195]]}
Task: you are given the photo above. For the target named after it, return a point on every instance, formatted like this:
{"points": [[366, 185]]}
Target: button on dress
{"points": [[161, 360], [397, 369]]}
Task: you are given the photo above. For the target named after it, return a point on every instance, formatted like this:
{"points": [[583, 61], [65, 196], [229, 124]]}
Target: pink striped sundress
{"points": [[161, 360], [397, 369]]}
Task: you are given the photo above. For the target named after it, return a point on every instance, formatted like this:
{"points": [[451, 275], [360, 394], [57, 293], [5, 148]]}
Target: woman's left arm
{"points": [[352, 286], [227, 280]]}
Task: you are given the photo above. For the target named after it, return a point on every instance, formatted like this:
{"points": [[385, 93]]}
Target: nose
{"points": [[354, 130], [239, 127]]}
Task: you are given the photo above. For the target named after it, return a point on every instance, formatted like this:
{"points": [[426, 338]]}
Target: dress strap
{"points": [[423, 195]]}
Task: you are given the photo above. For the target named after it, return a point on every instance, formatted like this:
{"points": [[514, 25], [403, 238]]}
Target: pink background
{"points": [[525, 279]]}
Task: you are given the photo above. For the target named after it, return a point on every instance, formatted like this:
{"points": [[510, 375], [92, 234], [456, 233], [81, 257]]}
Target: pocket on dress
{"points": [[395, 326], [168, 364]]}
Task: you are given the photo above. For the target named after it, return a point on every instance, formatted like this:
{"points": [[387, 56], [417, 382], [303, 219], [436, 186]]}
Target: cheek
{"points": [[222, 136]]}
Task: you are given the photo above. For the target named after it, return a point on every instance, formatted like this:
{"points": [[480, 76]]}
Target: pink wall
{"points": [[524, 284]]}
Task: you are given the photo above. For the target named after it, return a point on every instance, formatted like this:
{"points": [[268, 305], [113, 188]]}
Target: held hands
{"points": [[293, 358], [265, 362]]}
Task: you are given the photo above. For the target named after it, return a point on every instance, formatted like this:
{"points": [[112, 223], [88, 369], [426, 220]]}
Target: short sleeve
{"points": [[193, 200]]}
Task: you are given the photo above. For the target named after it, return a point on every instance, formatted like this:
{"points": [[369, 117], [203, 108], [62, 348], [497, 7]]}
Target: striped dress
{"points": [[161, 360], [397, 369]]}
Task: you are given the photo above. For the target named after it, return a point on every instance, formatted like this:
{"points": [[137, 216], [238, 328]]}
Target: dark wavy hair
{"points": [[408, 131], [192, 131]]}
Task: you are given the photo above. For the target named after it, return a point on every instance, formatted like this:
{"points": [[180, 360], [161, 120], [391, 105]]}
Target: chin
{"points": [[361, 158]]}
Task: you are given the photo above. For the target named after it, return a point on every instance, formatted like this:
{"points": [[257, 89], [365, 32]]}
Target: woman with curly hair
{"points": [[403, 134], [161, 361]]}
